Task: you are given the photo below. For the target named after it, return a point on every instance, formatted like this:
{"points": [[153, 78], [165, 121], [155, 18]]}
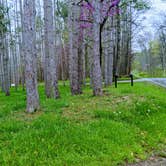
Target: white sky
{"points": [[149, 17], [154, 13]]}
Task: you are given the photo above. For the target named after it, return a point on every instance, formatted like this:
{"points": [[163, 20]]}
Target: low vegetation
{"points": [[125, 125]]}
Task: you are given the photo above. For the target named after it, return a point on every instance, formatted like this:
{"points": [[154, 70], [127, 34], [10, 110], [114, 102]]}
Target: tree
{"points": [[74, 46], [51, 80], [108, 50], [161, 29], [100, 11], [21, 47], [30, 56], [4, 56], [126, 22], [96, 68]]}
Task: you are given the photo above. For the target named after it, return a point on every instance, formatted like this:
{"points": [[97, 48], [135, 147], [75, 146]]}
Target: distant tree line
{"points": [[152, 56]]}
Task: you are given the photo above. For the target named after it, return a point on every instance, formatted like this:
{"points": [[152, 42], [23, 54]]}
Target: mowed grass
{"points": [[123, 126]]}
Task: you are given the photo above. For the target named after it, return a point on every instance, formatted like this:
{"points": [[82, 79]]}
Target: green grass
{"points": [[157, 73], [123, 126]]}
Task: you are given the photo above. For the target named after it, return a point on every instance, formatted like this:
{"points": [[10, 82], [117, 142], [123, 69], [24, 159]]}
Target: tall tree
{"points": [[108, 50], [4, 56], [30, 56], [51, 80], [73, 42], [96, 68], [21, 47]]}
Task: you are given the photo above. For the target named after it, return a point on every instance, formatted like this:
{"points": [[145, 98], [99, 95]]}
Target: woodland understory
{"points": [[47, 41], [59, 60]]}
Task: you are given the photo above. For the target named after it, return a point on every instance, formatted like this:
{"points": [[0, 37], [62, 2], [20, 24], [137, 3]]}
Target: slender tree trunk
{"points": [[96, 68], [108, 51], [51, 79], [117, 46], [30, 56], [21, 48], [81, 50], [5, 67], [73, 55], [4, 55]]}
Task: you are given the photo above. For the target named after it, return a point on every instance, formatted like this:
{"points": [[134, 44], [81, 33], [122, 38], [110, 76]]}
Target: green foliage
{"points": [[62, 9], [152, 57], [39, 23], [3, 21], [155, 49], [157, 73], [123, 125], [139, 5]]}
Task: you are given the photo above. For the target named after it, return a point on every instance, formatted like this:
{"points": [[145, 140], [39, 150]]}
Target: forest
{"points": [[65, 91]]}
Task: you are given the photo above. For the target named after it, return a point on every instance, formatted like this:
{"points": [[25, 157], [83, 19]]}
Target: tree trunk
{"points": [[73, 55], [51, 80], [96, 68], [108, 51], [22, 56], [30, 56], [5, 60]]}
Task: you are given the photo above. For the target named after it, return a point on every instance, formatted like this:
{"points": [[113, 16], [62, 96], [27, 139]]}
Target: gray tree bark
{"points": [[21, 47], [4, 55], [96, 69], [5, 63], [108, 51], [73, 55], [51, 80], [30, 56]]}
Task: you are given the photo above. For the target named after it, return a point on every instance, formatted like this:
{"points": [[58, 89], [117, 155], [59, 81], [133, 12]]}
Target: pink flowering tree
{"points": [[107, 8], [96, 14], [91, 16]]}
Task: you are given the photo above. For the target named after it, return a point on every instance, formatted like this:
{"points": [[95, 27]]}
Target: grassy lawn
{"points": [[125, 125]]}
